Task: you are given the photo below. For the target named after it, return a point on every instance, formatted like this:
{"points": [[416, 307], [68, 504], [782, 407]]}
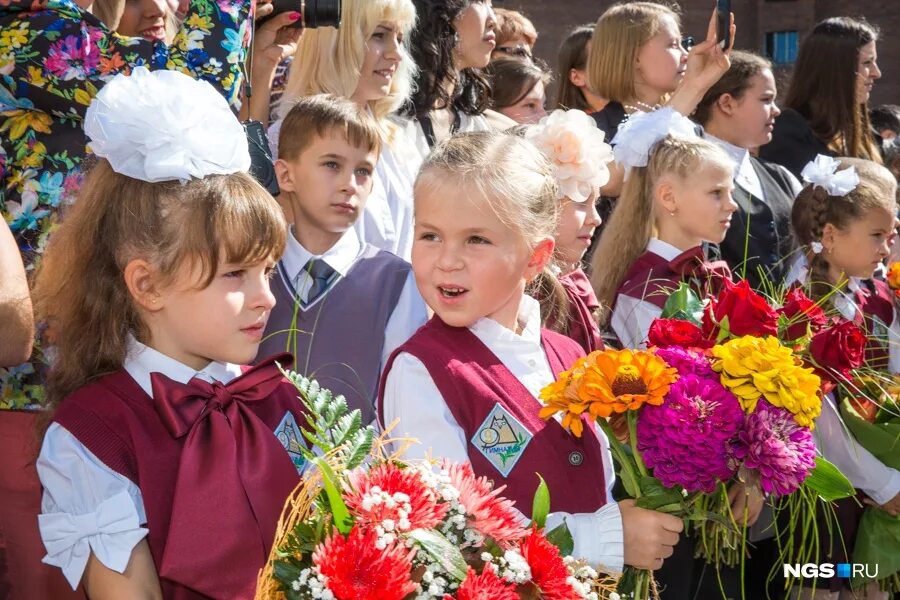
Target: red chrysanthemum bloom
{"points": [[548, 571], [389, 492], [489, 514], [487, 586], [355, 570]]}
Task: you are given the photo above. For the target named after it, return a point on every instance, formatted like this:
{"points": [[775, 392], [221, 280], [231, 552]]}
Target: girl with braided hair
{"points": [[845, 220]]}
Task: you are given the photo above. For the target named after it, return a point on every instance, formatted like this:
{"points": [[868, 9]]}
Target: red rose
{"points": [[675, 332], [838, 349], [801, 312], [748, 313]]}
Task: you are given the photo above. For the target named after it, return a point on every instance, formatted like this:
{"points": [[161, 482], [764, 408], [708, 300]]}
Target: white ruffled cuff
{"points": [[599, 536], [111, 532]]}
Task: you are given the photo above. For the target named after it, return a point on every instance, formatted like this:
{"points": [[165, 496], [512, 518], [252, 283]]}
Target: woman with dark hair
{"points": [[571, 61], [738, 113], [451, 43], [518, 89], [826, 107]]}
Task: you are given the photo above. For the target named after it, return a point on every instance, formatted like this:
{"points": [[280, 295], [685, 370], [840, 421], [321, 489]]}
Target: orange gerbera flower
{"points": [[608, 382]]}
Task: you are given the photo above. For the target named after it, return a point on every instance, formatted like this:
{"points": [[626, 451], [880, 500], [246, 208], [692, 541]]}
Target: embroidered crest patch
{"points": [[288, 433], [501, 439]]}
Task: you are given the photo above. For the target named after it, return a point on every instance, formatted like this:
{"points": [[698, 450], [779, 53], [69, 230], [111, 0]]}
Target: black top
{"points": [[609, 119], [793, 143]]}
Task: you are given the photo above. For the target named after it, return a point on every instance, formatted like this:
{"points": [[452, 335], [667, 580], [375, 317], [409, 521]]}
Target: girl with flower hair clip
{"points": [[844, 219], [575, 147], [164, 469], [467, 384], [677, 196]]}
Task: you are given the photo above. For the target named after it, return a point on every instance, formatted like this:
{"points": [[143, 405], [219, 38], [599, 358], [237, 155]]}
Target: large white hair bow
{"points": [[642, 131], [823, 172], [576, 147], [163, 126]]}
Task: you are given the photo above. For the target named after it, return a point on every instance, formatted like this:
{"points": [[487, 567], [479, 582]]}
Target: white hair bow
{"points": [[823, 172], [165, 126], [641, 132], [574, 144]]}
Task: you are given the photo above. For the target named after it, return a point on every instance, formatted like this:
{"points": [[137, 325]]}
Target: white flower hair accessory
{"points": [[823, 172], [638, 135], [576, 147], [165, 126]]}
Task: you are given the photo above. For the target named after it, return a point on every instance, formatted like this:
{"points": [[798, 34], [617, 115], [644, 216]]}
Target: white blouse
{"points": [[86, 506], [412, 397]]}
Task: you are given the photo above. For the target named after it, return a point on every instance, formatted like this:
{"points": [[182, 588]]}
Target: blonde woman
{"points": [[366, 60]]}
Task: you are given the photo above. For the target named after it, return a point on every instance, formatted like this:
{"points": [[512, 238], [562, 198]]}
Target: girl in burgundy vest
{"points": [[466, 384], [844, 219], [575, 147], [166, 465], [677, 196]]}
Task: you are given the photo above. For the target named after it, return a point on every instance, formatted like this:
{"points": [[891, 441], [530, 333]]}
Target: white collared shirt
{"points": [[409, 313], [77, 484], [412, 397], [744, 173], [632, 317]]}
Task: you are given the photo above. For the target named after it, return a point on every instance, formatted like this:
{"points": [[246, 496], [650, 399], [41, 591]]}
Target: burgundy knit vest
{"points": [[473, 382], [877, 306], [649, 279], [116, 420]]}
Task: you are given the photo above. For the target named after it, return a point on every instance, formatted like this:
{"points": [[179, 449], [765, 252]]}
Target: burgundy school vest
{"points": [[116, 420], [339, 340], [582, 327], [474, 383], [649, 279], [875, 301]]}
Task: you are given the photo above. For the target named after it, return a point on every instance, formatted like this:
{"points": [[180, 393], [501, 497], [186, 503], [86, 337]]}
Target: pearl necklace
{"points": [[639, 106]]}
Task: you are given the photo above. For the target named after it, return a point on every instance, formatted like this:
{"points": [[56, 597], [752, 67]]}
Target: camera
{"points": [[314, 13]]}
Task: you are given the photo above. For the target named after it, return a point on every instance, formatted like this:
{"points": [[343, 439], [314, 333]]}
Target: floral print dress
{"points": [[54, 57]]}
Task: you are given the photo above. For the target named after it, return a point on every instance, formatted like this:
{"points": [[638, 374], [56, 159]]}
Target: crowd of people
{"points": [[446, 239]]}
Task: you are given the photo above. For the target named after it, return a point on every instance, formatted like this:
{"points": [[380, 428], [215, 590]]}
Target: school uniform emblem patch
{"points": [[288, 433], [501, 439]]}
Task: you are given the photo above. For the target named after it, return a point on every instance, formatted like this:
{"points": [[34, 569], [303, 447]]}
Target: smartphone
{"points": [[723, 23]]}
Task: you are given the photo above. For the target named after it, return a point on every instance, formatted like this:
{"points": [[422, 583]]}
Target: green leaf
{"points": [[828, 482], [724, 330], [683, 304], [446, 554], [540, 507], [342, 519], [561, 537]]}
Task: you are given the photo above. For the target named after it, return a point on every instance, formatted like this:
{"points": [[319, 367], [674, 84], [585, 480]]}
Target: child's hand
{"points": [[892, 506], [742, 497], [650, 536]]}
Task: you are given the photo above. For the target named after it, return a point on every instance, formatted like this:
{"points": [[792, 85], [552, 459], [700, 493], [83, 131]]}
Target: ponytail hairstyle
{"points": [[735, 82], [823, 87], [632, 223], [573, 54], [619, 35], [515, 178], [80, 291], [814, 208]]}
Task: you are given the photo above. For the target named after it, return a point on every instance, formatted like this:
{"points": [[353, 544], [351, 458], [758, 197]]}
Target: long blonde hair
{"points": [[632, 223], [80, 291], [618, 36], [329, 60], [515, 178]]}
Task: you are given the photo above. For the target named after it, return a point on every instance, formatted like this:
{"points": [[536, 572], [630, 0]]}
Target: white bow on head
{"points": [[823, 172], [574, 144], [165, 126], [641, 132]]}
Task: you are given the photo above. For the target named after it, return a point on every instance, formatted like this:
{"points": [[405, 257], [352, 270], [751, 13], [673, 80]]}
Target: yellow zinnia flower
{"points": [[605, 383], [754, 367]]}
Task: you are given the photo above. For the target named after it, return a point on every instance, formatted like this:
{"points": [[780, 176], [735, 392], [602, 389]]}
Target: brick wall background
{"points": [[754, 18]]}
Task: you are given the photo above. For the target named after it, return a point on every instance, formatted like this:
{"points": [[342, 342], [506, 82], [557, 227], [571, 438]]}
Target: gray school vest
{"points": [[340, 338]]}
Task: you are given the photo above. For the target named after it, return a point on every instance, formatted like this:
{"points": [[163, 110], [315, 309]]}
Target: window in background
{"points": [[781, 46]]}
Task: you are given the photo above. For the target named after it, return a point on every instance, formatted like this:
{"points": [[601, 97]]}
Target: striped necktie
{"points": [[321, 275]]}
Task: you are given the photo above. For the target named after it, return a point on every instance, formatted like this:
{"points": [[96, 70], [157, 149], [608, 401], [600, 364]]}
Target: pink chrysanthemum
{"points": [[489, 514], [487, 586], [548, 571], [687, 440], [776, 449], [387, 492], [686, 361], [354, 569]]}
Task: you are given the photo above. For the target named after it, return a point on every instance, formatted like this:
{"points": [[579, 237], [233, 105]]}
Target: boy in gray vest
{"points": [[342, 305]]}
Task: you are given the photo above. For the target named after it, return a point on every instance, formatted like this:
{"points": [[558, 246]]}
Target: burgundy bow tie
{"points": [[233, 479], [693, 263]]}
